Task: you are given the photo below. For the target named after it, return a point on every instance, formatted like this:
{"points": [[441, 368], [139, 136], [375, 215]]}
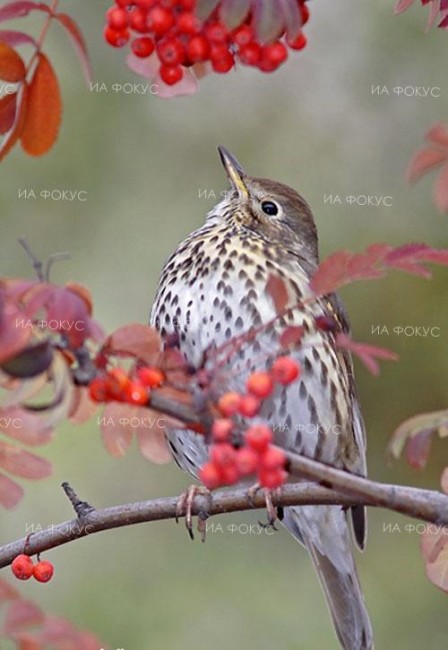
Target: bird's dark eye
{"points": [[270, 208]]}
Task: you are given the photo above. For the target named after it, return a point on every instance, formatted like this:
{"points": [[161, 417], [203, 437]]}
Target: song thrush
{"points": [[213, 288]]}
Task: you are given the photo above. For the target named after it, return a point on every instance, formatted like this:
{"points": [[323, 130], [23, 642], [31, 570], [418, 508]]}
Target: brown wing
{"points": [[357, 465]]}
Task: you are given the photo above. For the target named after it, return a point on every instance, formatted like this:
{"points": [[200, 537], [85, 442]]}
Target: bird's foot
{"points": [[273, 514], [185, 509]]}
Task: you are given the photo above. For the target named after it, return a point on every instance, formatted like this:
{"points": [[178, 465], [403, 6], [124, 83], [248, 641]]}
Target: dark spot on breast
{"points": [[239, 323]]}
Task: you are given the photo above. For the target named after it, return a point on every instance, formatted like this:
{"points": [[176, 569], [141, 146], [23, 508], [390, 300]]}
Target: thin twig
{"points": [[427, 505]]}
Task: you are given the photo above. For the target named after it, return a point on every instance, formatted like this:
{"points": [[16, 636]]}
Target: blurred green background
{"points": [[143, 161]]}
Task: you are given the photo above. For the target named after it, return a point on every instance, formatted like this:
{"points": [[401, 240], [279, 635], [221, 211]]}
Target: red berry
{"points": [[325, 323], [137, 394], [215, 32], [222, 454], [250, 406], [117, 18], [246, 461], [198, 49], [117, 381], [144, 4], [260, 384], [271, 478], [98, 389], [229, 404], [258, 437], [298, 43], [222, 59], [285, 370], [230, 474], [222, 429], [171, 74], [272, 458], [150, 376], [171, 51], [124, 3], [137, 20], [160, 20], [305, 13], [143, 46], [114, 38], [188, 23], [43, 571], [250, 54], [243, 35], [272, 56], [210, 476], [187, 4], [22, 567]]}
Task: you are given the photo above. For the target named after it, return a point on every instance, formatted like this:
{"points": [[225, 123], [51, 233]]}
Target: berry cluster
{"points": [[232, 459], [117, 385], [23, 568], [171, 30]]}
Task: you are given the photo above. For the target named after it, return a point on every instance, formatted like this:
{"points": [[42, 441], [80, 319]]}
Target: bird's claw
{"points": [[184, 508], [271, 510]]}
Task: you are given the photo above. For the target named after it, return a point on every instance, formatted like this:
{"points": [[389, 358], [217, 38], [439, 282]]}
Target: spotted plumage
{"points": [[212, 289]]}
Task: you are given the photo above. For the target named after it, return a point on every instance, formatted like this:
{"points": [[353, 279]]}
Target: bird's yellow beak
{"points": [[235, 173]]}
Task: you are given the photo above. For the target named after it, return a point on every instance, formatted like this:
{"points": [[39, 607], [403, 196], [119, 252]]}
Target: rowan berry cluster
{"points": [[232, 459], [117, 385], [172, 30], [24, 568]]}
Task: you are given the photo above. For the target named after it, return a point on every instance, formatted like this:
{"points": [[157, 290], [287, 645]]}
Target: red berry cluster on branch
{"points": [[232, 459], [117, 385], [24, 568], [179, 39]]}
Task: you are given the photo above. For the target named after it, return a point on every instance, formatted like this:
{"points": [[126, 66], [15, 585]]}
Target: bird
{"points": [[213, 289]]}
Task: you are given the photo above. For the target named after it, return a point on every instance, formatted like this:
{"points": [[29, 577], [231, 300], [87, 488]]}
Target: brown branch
{"points": [[347, 490]]}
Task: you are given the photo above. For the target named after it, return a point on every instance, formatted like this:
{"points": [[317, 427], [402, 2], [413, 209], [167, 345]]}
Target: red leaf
{"points": [[151, 439], [444, 480], [44, 110], [424, 161], [24, 427], [438, 134], [418, 448], [20, 462], [83, 293], [78, 42], [13, 337], [433, 12], [441, 190], [405, 251], [116, 431], [8, 108], [434, 547], [14, 38], [10, 492], [12, 67], [21, 613], [365, 352], [291, 336], [29, 642], [411, 268], [82, 407], [277, 291], [331, 273], [136, 340], [402, 5], [16, 131], [67, 310], [20, 9], [7, 592]]}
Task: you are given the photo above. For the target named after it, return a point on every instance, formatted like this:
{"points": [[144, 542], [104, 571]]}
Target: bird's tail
{"points": [[338, 577]]}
